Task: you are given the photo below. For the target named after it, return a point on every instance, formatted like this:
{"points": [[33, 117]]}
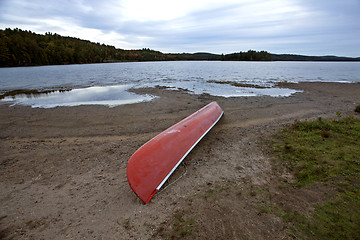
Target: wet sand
{"points": [[63, 170]]}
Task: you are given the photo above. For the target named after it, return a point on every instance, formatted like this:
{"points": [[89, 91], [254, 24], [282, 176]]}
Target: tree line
{"points": [[25, 48]]}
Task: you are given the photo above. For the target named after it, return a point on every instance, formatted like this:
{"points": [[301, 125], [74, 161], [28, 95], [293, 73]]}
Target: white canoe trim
{"points": [[166, 178]]}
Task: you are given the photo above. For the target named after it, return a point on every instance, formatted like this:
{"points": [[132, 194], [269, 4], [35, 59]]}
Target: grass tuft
{"points": [[182, 228], [357, 108]]}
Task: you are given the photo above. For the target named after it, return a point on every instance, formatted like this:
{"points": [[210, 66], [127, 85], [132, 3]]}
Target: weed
{"points": [[357, 108], [182, 228], [126, 223], [255, 192], [338, 113], [268, 209], [325, 133], [210, 193], [219, 190], [252, 193]]}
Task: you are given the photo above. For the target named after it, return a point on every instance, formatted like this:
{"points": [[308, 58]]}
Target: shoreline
{"points": [[12, 95], [63, 169], [348, 59], [351, 59]]}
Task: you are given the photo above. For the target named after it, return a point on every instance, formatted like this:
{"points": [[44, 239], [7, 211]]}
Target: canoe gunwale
{"points": [[171, 172]]}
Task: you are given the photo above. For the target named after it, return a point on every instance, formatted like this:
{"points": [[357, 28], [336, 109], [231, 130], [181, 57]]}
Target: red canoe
{"points": [[153, 163]]}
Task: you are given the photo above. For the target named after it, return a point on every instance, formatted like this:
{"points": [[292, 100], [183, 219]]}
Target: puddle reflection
{"points": [[108, 95]]}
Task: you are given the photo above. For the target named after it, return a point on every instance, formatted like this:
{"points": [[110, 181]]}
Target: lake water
{"points": [[108, 84]]}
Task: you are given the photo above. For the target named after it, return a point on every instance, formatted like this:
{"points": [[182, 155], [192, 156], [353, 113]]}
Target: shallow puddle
{"points": [[106, 95]]}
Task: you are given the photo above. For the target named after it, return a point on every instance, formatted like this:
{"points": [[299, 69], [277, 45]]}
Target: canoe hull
{"points": [[153, 163]]}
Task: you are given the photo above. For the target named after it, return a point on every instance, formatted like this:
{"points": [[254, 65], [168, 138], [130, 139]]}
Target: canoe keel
{"points": [[153, 163]]}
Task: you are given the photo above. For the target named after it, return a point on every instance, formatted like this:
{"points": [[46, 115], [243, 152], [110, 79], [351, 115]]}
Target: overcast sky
{"points": [[310, 27]]}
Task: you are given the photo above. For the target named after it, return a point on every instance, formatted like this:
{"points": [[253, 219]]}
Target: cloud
{"points": [[231, 27], [220, 26]]}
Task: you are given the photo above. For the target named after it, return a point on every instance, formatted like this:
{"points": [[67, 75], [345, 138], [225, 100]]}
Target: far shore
{"points": [[208, 60]]}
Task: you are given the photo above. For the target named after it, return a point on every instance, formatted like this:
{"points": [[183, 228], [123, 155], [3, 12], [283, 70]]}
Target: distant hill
{"points": [[292, 57], [25, 48], [206, 56]]}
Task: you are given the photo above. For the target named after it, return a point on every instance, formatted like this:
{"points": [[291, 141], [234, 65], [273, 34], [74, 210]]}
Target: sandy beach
{"points": [[63, 170]]}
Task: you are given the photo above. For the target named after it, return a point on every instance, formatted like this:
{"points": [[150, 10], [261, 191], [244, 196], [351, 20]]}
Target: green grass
{"points": [[321, 150], [337, 219], [325, 151]]}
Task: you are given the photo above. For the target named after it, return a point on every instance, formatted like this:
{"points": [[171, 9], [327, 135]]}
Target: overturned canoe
{"points": [[153, 163]]}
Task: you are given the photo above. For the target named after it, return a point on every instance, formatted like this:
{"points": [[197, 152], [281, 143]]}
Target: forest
{"points": [[25, 48]]}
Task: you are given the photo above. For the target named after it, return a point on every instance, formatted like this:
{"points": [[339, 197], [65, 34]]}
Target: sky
{"points": [[308, 27]]}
